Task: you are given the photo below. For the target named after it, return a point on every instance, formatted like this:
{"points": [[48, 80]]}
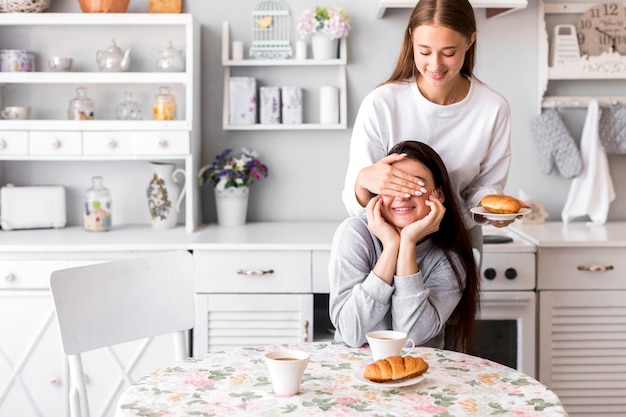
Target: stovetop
{"points": [[518, 243]]}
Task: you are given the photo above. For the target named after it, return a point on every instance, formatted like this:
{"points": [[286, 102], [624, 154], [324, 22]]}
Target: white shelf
{"points": [[498, 7], [339, 64], [572, 74], [93, 77], [56, 31]]}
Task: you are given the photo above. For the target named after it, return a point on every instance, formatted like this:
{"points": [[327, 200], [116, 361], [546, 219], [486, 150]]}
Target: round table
{"points": [[236, 383]]}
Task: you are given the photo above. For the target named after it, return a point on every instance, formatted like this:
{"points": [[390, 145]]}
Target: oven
{"points": [[506, 329]]}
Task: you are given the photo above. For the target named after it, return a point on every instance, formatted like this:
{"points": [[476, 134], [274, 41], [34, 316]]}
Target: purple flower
{"points": [[230, 171]]}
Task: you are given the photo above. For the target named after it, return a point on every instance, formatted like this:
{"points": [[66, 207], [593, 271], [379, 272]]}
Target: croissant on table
{"points": [[395, 368]]}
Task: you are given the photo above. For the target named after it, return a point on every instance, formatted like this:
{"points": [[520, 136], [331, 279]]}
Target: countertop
{"points": [[575, 235], [280, 236]]}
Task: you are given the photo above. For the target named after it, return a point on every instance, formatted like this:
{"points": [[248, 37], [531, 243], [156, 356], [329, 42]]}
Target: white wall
{"points": [[307, 168]]}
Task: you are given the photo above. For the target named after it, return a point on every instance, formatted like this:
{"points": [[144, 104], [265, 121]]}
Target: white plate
{"points": [[358, 375], [496, 216]]}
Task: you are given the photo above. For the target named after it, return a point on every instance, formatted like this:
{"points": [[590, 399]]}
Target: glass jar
{"points": [[81, 107], [97, 213], [164, 105], [128, 109]]}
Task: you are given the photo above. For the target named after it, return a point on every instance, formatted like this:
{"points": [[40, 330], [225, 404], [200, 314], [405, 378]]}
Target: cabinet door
{"points": [[582, 350], [229, 321], [33, 372]]}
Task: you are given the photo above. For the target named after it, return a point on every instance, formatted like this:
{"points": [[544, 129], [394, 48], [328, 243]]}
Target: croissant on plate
{"points": [[395, 368]]}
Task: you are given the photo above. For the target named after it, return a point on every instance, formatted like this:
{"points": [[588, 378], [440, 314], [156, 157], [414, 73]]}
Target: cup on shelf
{"points": [[16, 60], [15, 112], [237, 50], [286, 367], [385, 343], [59, 63]]}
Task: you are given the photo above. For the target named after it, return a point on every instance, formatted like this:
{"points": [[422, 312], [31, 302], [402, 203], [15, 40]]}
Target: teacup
{"points": [[385, 343], [286, 367], [15, 112]]}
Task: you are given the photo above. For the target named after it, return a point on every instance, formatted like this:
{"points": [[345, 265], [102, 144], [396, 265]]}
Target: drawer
{"points": [[55, 143], [256, 271], [162, 143], [108, 143], [320, 282], [28, 274], [13, 143], [568, 268]]}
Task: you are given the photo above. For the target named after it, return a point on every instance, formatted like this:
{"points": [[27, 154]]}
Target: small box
{"points": [[243, 101], [270, 105], [292, 105]]}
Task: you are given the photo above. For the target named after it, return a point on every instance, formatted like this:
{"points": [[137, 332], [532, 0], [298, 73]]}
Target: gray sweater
{"points": [[419, 304]]}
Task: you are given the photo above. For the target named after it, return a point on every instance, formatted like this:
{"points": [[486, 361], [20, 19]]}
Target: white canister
{"points": [[301, 50], [237, 50], [329, 105]]}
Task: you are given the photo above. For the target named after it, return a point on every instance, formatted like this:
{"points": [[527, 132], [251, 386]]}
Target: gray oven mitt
{"points": [[612, 129], [556, 145]]}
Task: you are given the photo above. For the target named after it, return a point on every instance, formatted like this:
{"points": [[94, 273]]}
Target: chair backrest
{"points": [[115, 302]]}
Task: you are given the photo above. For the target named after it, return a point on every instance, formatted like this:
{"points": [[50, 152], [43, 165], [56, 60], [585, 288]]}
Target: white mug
{"points": [[286, 367], [15, 112], [385, 343]]}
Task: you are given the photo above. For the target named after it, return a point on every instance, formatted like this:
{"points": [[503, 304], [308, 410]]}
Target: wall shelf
{"points": [[334, 64]]}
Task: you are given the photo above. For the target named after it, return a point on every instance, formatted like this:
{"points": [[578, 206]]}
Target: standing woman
{"points": [[432, 94]]}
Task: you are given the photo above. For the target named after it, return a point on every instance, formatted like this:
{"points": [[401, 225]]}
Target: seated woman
{"points": [[407, 264]]}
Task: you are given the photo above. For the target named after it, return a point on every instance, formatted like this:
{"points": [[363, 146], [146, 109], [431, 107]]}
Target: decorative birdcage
{"points": [[271, 30]]}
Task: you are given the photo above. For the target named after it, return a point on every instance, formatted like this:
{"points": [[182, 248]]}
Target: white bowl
{"points": [[58, 63]]}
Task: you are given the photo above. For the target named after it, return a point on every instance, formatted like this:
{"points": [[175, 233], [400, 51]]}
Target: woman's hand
{"points": [[382, 178], [388, 235], [420, 229], [385, 232]]}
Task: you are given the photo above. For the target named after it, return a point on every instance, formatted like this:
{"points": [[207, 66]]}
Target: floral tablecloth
{"points": [[236, 383]]}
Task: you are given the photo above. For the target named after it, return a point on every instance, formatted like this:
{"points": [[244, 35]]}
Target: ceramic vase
{"points": [[232, 205], [164, 195], [324, 47]]}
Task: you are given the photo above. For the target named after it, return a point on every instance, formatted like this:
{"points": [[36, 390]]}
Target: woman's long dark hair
{"points": [[452, 237], [457, 15]]}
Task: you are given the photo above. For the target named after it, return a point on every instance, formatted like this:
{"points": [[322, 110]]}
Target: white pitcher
{"points": [[164, 195]]}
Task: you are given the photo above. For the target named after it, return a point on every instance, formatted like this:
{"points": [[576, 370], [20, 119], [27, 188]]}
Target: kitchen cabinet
{"points": [[259, 284], [582, 314], [280, 72], [50, 136], [493, 7], [560, 69], [34, 379]]}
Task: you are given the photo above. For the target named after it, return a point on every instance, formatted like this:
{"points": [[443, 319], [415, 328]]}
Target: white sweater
{"points": [[471, 136]]}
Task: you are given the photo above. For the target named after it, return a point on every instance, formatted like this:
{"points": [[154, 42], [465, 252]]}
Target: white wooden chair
{"points": [[115, 302]]}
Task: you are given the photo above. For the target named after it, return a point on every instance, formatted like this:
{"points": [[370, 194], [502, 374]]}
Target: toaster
{"points": [[32, 207]]}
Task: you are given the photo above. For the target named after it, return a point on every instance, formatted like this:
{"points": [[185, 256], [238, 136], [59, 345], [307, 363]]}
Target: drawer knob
{"points": [[255, 271], [161, 143], [111, 144], [595, 268], [9, 277], [54, 380], [55, 144], [2, 144]]}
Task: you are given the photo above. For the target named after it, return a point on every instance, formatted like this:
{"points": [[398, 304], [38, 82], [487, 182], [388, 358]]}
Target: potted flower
{"points": [[231, 177], [325, 26]]}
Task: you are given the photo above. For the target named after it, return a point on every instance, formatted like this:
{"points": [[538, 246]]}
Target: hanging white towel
{"points": [[592, 192]]}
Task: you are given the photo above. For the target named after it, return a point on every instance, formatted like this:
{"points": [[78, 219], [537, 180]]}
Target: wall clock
{"points": [[602, 28]]}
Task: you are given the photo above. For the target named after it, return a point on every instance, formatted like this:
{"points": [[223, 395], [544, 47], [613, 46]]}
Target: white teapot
{"points": [[113, 59], [170, 59]]}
